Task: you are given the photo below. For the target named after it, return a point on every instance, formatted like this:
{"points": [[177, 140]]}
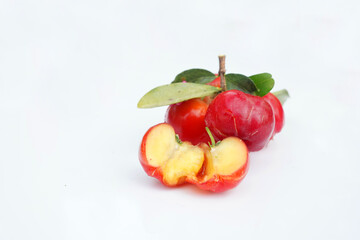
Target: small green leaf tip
{"points": [[264, 83], [213, 143], [177, 138], [282, 95], [195, 75], [174, 93], [240, 82]]}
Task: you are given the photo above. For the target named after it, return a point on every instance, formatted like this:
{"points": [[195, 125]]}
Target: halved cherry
{"points": [[225, 165], [217, 168], [167, 159]]}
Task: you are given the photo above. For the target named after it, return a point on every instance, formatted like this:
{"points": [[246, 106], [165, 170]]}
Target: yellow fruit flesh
{"points": [[160, 145], [179, 161], [229, 156], [176, 160], [224, 159], [186, 161]]}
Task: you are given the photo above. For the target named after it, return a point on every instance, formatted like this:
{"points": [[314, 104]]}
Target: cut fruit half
{"points": [[217, 168], [164, 158], [226, 164]]}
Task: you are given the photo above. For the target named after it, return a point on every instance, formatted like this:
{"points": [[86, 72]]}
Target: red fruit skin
{"points": [[152, 171], [216, 82], [188, 120], [278, 111], [248, 117], [272, 100], [221, 183]]}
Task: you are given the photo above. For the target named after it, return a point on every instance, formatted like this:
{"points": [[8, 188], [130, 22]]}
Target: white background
{"points": [[71, 73]]}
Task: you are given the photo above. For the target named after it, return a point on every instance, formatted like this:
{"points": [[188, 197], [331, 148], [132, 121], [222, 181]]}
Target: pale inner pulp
{"points": [[226, 158], [229, 156], [177, 160]]}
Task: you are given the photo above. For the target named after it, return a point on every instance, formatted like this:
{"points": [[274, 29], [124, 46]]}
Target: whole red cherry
{"points": [[187, 118], [248, 117], [278, 111]]}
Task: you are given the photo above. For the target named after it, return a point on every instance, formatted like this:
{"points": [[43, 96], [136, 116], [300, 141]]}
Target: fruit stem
{"points": [[211, 137], [222, 71]]}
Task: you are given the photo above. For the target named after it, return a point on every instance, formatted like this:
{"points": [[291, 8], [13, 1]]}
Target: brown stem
{"points": [[222, 71]]}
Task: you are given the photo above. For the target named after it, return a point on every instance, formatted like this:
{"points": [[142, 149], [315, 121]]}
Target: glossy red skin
{"points": [[216, 82], [248, 117], [272, 100], [278, 111], [187, 118], [152, 171], [220, 183]]}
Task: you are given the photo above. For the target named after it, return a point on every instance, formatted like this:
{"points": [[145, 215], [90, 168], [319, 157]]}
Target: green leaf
{"points": [[282, 95], [195, 75], [240, 82], [204, 80], [174, 93], [264, 83]]}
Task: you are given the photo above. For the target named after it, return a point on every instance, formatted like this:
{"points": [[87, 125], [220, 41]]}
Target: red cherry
{"points": [[248, 117], [187, 118]]}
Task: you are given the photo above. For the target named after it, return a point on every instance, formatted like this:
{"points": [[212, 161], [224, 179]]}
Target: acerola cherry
{"points": [[248, 117], [217, 168], [187, 118], [225, 165], [277, 109], [169, 161]]}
